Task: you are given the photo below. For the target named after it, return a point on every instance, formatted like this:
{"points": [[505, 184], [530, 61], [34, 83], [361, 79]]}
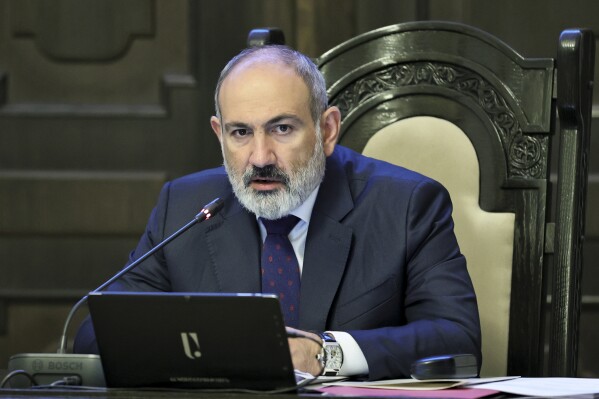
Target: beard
{"points": [[298, 184]]}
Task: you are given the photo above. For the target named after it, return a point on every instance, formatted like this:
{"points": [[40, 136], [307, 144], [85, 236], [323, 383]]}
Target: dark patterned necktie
{"points": [[280, 270]]}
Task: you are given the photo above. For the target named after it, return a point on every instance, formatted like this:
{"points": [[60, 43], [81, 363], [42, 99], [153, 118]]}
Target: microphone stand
{"points": [[206, 213], [75, 369]]}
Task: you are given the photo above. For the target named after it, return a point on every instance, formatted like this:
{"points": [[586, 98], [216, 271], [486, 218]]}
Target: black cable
{"points": [[59, 386], [190, 390], [297, 387], [68, 381], [14, 373]]}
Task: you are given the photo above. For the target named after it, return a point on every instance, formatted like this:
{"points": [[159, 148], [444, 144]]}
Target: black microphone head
{"points": [[210, 209]]}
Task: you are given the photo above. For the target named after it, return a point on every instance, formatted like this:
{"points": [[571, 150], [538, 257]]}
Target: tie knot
{"points": [[280, 226]]}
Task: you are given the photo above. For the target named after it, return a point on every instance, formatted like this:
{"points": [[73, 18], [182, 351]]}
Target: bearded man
{"points": [[375, 265]]}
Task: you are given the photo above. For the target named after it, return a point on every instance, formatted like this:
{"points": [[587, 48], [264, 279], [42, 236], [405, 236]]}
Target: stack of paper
{"points": [[464, 389]]}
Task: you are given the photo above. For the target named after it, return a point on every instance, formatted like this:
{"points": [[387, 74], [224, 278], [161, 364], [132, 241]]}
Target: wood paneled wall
{"points": [[102, 101]]}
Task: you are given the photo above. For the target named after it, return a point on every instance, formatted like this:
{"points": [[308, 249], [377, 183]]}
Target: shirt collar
{"points": [[304, 211]]}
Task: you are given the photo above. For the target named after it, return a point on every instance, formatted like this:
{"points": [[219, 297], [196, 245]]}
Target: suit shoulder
{"points": [[359, 167], [216, 177], [196, 189], [385, 183]]}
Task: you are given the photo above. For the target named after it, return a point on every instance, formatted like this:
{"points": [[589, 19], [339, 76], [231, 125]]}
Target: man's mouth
{"points": [[268, 178], [266, 184]]}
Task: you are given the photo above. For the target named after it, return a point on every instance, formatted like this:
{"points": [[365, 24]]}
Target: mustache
{"points": [[268, 172]]}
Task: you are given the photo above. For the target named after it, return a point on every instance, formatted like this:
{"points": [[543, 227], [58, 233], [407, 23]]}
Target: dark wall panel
{"points": [[39, 326], [82, 202], [99, 109]]}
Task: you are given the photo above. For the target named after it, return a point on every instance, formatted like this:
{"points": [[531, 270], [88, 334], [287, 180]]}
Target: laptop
{"points": [[191, 340]]}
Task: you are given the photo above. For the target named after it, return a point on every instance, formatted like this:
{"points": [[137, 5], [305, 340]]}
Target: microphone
{"points": [[76, 369], [206, 213]]}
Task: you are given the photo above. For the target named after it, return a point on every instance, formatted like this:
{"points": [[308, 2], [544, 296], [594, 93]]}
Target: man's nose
{"points": [[262, 151]]}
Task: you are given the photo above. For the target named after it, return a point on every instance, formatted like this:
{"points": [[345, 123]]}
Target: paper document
{"points": [[453, 393], [409, 384], [413, 385], [545, 387]]}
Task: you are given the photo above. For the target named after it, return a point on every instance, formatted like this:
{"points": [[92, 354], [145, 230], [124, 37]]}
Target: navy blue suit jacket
{"points": [[381, 260]]}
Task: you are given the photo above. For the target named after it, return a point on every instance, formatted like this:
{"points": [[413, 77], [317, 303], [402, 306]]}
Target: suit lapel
{"points": [[327, 248], [234, 246], [233, 242]]}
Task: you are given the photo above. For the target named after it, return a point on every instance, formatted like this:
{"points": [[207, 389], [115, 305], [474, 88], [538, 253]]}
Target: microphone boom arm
{"points": [[206, 213]]}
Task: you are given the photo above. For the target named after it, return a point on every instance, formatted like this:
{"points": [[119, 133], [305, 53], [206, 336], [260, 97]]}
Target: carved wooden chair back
{"points": [[462, 107]]}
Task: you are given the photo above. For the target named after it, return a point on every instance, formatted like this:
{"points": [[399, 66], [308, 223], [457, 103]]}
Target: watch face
{"points": [[334, 357]]}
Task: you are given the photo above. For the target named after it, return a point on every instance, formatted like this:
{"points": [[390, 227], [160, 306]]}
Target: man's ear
{"points": [[331, 125], [216, 126]]}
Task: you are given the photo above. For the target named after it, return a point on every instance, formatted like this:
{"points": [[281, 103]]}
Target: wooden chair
{"points": [[462, 107]]}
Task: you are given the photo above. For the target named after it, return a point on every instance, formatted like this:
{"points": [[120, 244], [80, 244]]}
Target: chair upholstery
{"points": [[459, 105], [441, 150]]}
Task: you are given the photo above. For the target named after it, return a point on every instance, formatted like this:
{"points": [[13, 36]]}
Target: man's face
{"points": [[272, 148]]}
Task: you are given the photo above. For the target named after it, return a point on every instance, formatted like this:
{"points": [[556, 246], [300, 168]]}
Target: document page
{"points": [[545, 387]]}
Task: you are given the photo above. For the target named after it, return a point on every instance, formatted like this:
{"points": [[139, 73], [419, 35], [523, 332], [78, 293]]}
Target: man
{"points": [[380, 267]]}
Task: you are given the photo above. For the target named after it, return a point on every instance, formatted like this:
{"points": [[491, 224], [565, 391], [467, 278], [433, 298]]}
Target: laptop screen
{"points": [[191, 340]]}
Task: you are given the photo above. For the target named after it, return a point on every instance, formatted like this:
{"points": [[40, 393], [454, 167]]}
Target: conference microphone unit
{"points": [[63, 368]]}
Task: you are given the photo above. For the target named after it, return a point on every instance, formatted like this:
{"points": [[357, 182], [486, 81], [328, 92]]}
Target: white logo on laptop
{"points": [[186, 338]]}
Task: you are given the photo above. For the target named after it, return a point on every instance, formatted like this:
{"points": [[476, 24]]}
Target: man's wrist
{"points": [[331, 355]]}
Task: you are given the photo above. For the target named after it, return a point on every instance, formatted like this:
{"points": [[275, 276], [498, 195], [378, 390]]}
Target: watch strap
{"points": [[328, 341]]}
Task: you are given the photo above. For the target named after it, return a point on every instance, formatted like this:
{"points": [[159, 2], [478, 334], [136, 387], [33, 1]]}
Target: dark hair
{"points": [[301, 64]]}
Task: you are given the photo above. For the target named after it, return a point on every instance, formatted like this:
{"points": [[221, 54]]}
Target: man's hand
{"points": [[304, 350]]}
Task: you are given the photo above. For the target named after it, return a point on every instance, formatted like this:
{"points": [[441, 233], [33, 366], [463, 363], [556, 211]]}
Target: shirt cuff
{"points": [[354, 362]]}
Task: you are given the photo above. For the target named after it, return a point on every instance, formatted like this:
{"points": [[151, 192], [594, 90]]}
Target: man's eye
{"points": [[283, 129], [240, 132]]}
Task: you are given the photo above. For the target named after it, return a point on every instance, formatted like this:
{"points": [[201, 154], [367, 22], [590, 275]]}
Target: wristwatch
{"points": [[331, 355]]}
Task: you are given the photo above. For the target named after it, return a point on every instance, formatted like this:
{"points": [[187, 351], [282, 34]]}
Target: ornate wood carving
{"points": [[523, 152]]}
